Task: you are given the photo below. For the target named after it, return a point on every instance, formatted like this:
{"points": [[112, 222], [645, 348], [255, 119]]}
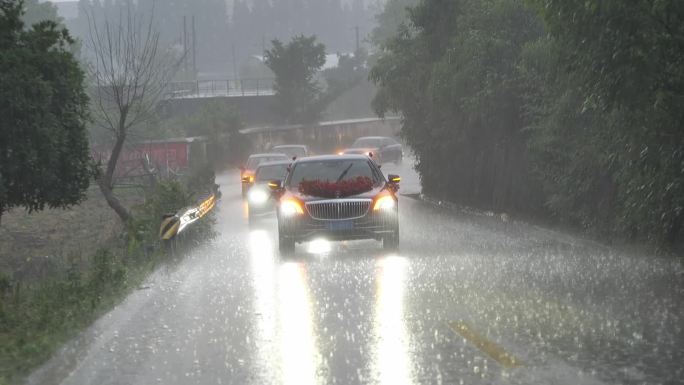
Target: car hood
{"points": [[308, 198]]}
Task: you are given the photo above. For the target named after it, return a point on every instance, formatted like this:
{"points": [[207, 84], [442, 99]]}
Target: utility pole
{"points": [[194, 50], [357, 38], [235, 75], [185, 44]]}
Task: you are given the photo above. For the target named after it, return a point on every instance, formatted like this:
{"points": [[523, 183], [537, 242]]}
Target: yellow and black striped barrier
{"points": [[169, 227], [175, 224]]}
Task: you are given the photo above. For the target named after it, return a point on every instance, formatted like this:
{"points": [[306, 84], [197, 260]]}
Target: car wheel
{"points": [[286, 246], [391, 242]]}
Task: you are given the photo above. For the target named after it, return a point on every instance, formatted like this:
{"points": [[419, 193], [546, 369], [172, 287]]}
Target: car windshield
{"points": [[297, 151], [332, 171], [274, 172], [367, 143], [254, 162]]}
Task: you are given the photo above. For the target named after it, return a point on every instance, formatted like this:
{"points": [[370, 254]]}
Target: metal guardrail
{"points": [[219, 88], [173, 225]]}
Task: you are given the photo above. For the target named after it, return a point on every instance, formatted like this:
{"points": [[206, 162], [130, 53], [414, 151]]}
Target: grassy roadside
{"points": [[34, 246], [37, 320], [38, 317]]}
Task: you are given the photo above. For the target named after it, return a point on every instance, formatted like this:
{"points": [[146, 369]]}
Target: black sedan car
{"points": [[380, 148], [247, 171], [337, 198]]}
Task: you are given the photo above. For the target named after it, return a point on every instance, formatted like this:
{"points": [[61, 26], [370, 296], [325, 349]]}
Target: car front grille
{"points": [[339, 209]]}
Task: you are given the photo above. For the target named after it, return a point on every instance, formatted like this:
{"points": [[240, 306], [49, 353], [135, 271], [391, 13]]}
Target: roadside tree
{"points": [[44, 154], [614, 105], [129, 70], [295, 66]]}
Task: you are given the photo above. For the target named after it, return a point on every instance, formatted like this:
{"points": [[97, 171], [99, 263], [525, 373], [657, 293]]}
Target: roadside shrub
{"points": [[108, 274], [572, 108]]}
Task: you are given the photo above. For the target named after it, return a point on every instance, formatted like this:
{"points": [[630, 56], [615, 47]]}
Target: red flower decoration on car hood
{"points": [[342, 189]]}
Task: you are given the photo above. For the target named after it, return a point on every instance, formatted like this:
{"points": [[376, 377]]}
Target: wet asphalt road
{"points": [[469, 299]]}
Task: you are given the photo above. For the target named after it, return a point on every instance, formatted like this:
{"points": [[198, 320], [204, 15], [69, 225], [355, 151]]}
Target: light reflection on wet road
{"points": [[235, 312]]}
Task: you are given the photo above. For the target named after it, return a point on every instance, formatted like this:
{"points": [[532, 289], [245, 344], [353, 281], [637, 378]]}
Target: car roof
{"points": [[290, 146], [275, 163], [267, 155], [332, 157]]}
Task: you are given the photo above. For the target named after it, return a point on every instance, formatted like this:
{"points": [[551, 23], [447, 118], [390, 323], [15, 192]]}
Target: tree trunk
{"points": [[114, 202], [106, 181]]}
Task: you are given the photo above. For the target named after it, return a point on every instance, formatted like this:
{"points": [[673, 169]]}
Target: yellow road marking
{"points": [[493, 350]]}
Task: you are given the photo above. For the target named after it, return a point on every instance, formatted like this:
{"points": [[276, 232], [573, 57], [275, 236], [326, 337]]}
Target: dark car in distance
{"points": [[337, 198], [247, 171], [381, 149], [260, 201], [292, 150]]}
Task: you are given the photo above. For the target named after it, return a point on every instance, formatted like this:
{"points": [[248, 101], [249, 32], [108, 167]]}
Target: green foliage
{"points": [[620, 66], [576, 104], [39, 318], [295, 65], [452, 74], [350, 71], [44, 155], [36, 319], [348, 80], [391, 20], [221, 125], [166, 198]]}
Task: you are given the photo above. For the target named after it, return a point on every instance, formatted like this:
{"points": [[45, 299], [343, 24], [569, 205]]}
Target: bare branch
{"points": [[129, 72]]}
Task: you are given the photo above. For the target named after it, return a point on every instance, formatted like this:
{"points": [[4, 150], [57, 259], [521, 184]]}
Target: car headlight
{"points": [[258, 196], [291, 208], [384, 203]]}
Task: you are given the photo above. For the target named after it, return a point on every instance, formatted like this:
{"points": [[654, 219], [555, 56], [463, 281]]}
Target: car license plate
{"points": [[340, 225]]}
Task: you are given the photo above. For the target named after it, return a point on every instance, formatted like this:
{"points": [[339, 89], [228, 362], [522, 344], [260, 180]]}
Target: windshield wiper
{"points": [[344, 173]]}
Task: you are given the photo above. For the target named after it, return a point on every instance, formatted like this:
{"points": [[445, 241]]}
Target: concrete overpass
{"points": [[252, 98]]}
